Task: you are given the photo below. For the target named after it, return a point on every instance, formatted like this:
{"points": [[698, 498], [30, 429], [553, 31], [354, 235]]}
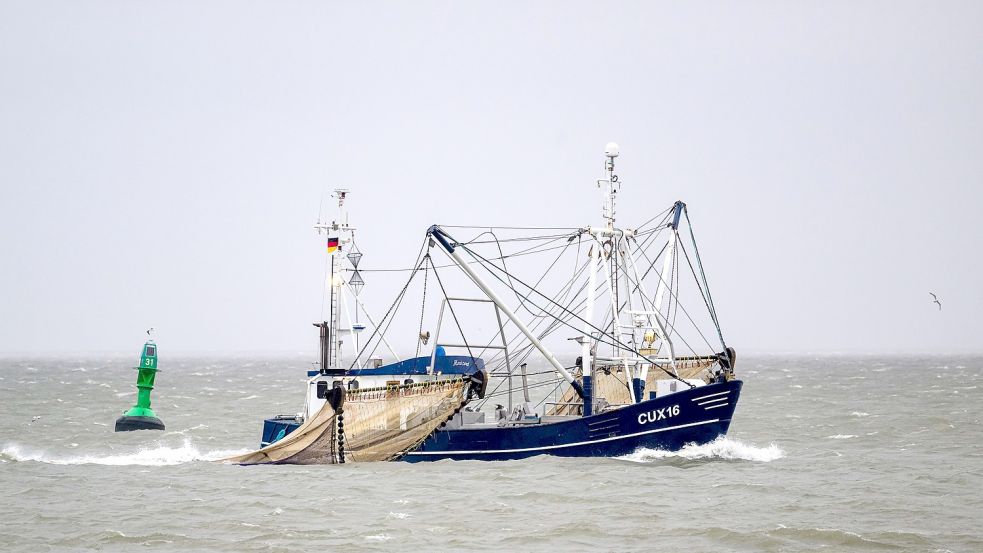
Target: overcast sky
{"points": [[161, 163]]}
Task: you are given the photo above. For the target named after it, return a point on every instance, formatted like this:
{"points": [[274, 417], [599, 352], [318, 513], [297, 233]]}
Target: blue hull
{"points": [[698, 415], [274, 429]]}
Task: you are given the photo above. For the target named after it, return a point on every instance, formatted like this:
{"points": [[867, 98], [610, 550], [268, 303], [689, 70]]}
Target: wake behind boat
{"points": [[642, 368]]}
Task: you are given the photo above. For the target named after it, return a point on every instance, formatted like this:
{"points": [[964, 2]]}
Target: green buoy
{"points": [[141, 416]]}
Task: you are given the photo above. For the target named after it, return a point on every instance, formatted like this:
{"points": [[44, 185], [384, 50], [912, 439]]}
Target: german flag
{"points": [[332, 245]]}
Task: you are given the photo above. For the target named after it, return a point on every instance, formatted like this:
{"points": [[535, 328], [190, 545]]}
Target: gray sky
{"points": [[161, 163]]}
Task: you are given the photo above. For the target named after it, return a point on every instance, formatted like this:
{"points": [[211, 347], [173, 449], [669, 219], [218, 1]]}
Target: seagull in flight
{"points": [[149, 330], [935, 299], [35, 418]]}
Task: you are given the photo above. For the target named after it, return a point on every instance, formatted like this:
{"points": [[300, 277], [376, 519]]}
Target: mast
{"points": [[609, 236], [339, 234], [332, 312], [644, 324], [612, 234]]}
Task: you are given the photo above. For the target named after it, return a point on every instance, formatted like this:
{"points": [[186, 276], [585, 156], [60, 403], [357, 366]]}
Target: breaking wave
{"points": [[722, 448], [156, 455]]}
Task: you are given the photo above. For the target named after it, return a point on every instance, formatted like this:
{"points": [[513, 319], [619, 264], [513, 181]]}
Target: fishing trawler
{"points": [[614, 307]]}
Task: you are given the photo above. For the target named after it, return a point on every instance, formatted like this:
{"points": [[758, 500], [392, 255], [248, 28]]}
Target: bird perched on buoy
{"points": [[935, 299]]}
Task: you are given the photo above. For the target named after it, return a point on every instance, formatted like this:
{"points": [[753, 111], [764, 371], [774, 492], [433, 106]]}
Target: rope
{"points": [[450, 306], [519, 253], [423, 308], [564, 290], [706, 300], [672, 295], [663, 214], [588, 323], [395, 305], [523, 300], [696, 249], [507, 228]]}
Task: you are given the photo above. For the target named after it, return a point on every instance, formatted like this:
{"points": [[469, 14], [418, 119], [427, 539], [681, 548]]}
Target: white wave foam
{"points": [[157, 455], [859, 414], [841, 436], [721, 448]]}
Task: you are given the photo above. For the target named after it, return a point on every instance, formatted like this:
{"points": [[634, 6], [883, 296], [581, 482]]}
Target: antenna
{"points": [[341, 194], [611, 151], [320, 206]]}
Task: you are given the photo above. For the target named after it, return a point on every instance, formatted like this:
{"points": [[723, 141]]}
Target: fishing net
{"points": [[380, 424], [314, 442], [372, 424]]}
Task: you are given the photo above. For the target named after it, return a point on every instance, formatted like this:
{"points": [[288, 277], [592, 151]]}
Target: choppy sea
{"points": [[831, 452]]}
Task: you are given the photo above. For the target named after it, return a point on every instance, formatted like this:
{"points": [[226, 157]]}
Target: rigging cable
{"points": [[507, 228], [564, 291], [670, 326], [423, 308], [685, 311], [453, 315], [519, 253], [562, 318], [525, 351], [649, 235], [588, 323], [706, 300], [713, 311], [395, 305], [522, 301], [664, 214]]}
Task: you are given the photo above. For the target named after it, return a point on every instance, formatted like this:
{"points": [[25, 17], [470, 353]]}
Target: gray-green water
{"points": [[842, 453]]}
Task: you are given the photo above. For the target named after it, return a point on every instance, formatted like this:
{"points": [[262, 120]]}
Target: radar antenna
{"points": [[611, 151]]}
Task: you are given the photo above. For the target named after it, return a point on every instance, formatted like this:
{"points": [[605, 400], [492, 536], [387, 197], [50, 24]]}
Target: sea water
{"points": [[846, 453]]}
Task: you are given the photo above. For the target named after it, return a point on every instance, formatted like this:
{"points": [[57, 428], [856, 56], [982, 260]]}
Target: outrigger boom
{"points": [[446, 242]]}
